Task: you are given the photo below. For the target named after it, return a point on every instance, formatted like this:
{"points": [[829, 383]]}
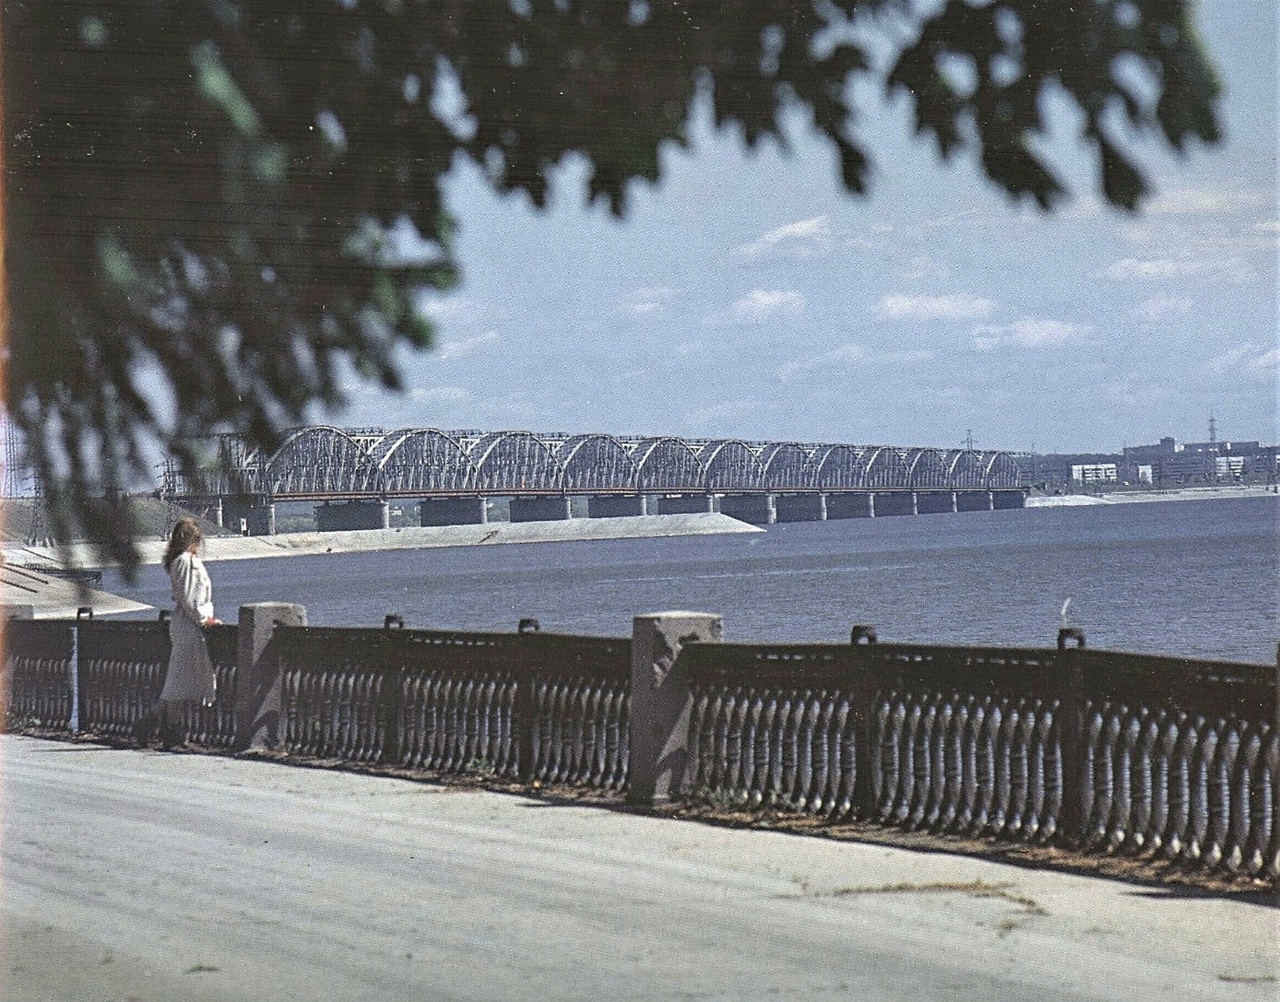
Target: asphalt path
{"points": [[148, 876]]}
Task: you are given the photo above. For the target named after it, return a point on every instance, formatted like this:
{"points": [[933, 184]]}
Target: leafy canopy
{"points": [[213, 195]]}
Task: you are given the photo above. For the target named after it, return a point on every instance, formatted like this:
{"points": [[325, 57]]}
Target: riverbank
{"points": [[295, 544], [1222, 493]]}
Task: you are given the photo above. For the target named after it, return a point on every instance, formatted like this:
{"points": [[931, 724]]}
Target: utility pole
{"points": [[1213, 449]]}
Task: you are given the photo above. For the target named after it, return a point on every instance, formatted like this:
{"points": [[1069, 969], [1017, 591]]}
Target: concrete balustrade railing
{"points": [[1098, 751]]}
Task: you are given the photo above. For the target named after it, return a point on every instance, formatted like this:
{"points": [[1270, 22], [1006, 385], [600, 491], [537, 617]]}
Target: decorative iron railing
{"points": [[1096, 750], [1102, 752], [102, 676], [527, 706]]}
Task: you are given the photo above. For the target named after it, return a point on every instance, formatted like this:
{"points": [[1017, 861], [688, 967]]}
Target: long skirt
{"points": [[190, 674]]}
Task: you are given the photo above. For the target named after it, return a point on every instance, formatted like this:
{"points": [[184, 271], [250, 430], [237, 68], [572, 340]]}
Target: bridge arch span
{"points": [[786, 467], [1002, 473], [596, 463], [730, 465], [513, 461], [840, 468], [927, 470], [967, 470], [667, 464], [320, 460], [887, 470], [424, 460]]}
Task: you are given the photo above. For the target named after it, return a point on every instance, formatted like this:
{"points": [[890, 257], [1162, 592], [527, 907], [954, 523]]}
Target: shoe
{"points": [[144, 729], [170, 736]]}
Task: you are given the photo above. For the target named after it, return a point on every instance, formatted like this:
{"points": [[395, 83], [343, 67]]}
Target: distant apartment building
{"points": [[1163, 463], [1095, 473]]}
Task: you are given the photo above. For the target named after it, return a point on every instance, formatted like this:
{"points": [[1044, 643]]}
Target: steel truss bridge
{"points": [[322, 463]]}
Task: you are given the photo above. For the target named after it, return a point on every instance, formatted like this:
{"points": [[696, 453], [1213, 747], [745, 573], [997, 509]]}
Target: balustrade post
{"points": [[662, 701], [864, 717], [391, 691], [1070, 679], [524, 709], [258, 672]]}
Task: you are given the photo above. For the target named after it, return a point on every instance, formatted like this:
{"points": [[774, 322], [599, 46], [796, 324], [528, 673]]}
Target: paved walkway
{"points": [[151, 877]]}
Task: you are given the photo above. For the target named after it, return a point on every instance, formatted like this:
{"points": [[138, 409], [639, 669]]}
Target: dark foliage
{"points": [[202, 193]]}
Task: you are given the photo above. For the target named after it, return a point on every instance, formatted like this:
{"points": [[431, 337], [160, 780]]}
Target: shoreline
{"points": [[297, 544], [1231, 493]]}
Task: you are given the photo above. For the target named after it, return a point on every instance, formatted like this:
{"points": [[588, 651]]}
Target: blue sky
{"points": [[747, 296]]}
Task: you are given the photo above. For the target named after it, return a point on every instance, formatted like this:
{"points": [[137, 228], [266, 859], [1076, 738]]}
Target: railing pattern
{"points": [[112, 671], [1106, 752], [1161, 758], [523, 706]]}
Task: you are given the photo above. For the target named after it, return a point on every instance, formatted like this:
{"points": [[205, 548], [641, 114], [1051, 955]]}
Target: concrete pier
{"points": [[895, 503], [1001, 500], [802, 507], [935, 502], [616, 505], [452, 511], [973, 501], [757, 509], [344, 515], [861, 505], [552, 509], [681, 504], [248, 518]]}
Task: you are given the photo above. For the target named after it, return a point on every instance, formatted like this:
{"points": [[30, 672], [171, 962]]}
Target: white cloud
{"points": [[450, 307], [759, 306], [903, 357], [1251, 360], [727, 410], [957, 306], [456, 349], [924, 266], [1208, 201], [1157, 308], [801, 239], [1030, 332], [647, 302], [1230, 269], [837, 358], [1137, 394]]}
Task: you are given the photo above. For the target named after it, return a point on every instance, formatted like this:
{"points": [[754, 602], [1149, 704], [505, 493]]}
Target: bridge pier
{"points": [[452, 511], [681, 504], [1001, 500], [616, 505], [973, 501], [895, 503], [802, 507], [553, 509], [344, 515], [935, 502], [861, 505], [249, 518], [757, 509]]}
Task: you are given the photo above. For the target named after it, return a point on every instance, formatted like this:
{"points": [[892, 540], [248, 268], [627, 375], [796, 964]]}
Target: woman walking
{"points": [[190, 677]]}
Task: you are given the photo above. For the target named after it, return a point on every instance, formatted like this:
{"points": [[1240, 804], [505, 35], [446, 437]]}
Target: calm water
{"points": [[1196, 578]]}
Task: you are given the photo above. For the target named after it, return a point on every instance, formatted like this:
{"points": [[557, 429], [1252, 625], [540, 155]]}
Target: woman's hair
{"points": [[185, 532]]}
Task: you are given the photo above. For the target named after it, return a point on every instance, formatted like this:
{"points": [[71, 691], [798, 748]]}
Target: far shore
{"points": [[1218, 493]]}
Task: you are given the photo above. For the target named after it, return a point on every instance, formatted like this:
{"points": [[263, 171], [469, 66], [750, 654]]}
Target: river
{"points": [[1191, 578]]}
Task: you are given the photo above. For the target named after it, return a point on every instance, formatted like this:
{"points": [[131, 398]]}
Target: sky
{"points": [[746, 295]]}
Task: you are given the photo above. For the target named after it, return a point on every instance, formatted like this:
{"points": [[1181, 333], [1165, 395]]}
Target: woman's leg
{"points": [[170, 717]]}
